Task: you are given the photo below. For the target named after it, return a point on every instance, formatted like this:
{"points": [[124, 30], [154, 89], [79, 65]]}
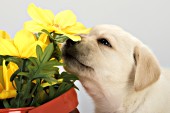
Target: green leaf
{"points": [[39, 53], [44, 73], [63, 88], [38, 34], [45, 77], [13, 103], [17, 83], [41, 96], [26, 87], [57, 52], [45, 31], [50, 80], [14, 75], [6, 104], [61, 38], [26, 74], [15, 60], [47, 53], [52, 66], [68, 77], [34, 61], [52, 92], [34, 88], [32, 71], [52, 63]]}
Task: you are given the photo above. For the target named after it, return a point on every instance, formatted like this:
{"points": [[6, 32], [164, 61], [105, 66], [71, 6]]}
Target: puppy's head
{"points": [[110, 54]]}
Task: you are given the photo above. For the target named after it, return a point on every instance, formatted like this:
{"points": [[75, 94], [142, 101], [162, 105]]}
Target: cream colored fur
{"points": [[124, 78]]}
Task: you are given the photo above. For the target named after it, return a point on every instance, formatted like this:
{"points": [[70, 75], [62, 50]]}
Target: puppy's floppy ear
{"points": [[147, 68]]}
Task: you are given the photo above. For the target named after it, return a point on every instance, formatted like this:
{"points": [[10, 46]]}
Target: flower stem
{"points": [[19, 95]]}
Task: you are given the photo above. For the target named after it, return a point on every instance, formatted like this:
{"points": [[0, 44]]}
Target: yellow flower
{"points": [[6, 88], [4, 34], [23, 45], [63, 23], [44, 38], [59, 81]]}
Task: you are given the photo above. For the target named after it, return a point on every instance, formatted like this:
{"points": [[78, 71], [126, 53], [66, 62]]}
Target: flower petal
{"points": [[73, 37], [8, 91], [1, 78], [1, 88], [46, 84], [77, 28], [39, 15], [64, 19], [22, 40], [5, 76], [11, 68], [33, 26], [4, 35], [8, 94], [31, 51], [7, 48], [44, 38]]}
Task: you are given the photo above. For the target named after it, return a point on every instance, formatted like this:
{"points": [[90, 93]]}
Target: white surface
{"points": [[85, 102], [149, 20]]}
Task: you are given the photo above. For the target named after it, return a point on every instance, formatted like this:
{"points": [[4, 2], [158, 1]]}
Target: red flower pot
{"points": [[16, 110], [65, 103]]}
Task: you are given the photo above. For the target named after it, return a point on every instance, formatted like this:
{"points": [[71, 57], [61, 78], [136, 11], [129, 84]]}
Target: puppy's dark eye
{"points": [[104, 42]]}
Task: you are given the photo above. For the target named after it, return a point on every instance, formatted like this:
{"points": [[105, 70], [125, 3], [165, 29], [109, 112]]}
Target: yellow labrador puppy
{"points": [[118, 71]]}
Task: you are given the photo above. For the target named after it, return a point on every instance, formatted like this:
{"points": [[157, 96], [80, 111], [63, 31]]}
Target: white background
{"points": [[148, 20]]}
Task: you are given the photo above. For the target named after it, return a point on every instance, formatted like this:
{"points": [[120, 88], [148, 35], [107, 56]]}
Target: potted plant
{"points": [[30, 80]]}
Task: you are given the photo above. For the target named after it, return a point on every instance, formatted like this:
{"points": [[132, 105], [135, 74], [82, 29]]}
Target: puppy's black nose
{"points": [[69, 42]]}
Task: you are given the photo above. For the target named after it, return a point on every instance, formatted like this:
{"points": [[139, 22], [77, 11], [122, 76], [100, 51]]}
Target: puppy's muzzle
{"points": [[71, 43]]}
